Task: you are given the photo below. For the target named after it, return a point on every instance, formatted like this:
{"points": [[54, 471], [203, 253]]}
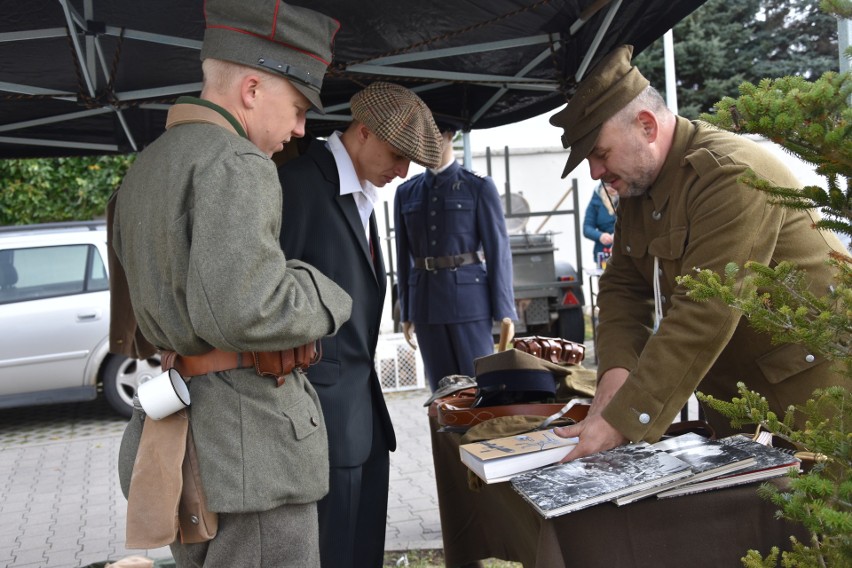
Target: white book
{"points": [[500, 459]]}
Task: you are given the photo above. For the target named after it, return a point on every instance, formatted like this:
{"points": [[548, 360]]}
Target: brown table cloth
{"points": [[713, 529]]}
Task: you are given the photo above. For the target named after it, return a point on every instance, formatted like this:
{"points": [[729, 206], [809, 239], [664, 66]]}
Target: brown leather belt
{"points": [[276, 364], [457, 412], [453, 261]]}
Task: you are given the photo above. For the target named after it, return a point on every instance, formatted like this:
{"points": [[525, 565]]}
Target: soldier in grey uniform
{"points": [[682, 206], [195, 229]]}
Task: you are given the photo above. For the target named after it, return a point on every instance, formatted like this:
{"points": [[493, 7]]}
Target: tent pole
{"points": [[671, 80], [844, 38]]}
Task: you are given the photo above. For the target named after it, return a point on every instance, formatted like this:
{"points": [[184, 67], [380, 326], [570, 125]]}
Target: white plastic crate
{"points": [[398, 365]]}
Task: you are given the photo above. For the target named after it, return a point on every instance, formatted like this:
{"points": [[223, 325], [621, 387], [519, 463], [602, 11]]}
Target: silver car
{"points": [[54, 319]]}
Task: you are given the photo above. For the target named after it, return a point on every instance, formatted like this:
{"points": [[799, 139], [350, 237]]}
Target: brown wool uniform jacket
{"points": [[195, 228], [696, 214]]}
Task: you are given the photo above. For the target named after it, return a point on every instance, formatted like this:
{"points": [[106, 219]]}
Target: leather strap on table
{"points": [[468, 393], [458, 412], [453, 261], [275, 364]]}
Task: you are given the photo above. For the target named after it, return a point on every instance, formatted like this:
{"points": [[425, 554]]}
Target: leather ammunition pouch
{"points": [[275, 364], [553, 349]]}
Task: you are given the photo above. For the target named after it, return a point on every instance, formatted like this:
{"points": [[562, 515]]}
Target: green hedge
{"points": [[58, 189]]}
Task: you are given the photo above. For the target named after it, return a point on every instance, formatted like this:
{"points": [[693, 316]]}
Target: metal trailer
{"points": [[548, 293]]}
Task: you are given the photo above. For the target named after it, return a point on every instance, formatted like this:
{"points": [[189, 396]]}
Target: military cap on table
{"points": [[512, 376], [449, 385]]}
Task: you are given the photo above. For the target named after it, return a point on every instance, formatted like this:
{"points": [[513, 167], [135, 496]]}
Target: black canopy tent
{"points": [[97, 76]]}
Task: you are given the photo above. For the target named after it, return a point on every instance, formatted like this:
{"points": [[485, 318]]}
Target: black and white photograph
{"points": [[597, 478]]}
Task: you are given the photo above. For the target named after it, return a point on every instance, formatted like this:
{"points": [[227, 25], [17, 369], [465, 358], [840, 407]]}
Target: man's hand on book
{"points": [[595, 433]]}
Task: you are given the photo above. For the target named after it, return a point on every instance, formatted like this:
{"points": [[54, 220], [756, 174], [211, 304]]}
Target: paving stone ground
{"points": [[61, 505]]}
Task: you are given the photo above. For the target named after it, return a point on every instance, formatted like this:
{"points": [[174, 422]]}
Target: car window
{"points": [[47, 272]]}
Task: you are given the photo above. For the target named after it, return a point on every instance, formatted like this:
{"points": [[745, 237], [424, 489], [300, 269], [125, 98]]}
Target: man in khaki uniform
{"points": [[681, 207], [195, 228]]}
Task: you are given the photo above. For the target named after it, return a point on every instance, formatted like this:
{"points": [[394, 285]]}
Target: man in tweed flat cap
{"points": [[195, 228], [682, 206], [329, 222]]}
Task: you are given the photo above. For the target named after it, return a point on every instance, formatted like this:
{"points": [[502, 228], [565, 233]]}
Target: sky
{"points": [[535, 132]]}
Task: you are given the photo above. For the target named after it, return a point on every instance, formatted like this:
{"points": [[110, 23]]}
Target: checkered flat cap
{"points": [[399, 117]]}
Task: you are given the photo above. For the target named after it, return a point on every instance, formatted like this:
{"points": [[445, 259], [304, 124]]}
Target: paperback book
{"points": [[502, 458], [587, 481], [769, 462], [706, 459]]}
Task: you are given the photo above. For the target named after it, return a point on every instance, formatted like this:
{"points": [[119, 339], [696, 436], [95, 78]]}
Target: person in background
{"points": [[194, 232], [455, 264], [599, 220], [329, 222], [682, 206]]}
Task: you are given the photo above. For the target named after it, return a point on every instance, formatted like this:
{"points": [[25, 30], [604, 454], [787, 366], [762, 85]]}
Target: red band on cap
{"points": [[285, 44]]}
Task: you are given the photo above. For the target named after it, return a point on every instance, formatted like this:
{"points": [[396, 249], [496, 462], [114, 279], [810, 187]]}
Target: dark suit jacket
{"points": [[323, 228]]}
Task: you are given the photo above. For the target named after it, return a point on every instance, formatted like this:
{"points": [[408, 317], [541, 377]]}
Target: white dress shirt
{"points": [[365, 195]]}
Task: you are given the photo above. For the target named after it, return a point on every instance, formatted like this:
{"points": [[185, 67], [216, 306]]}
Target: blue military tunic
{"points": [[451, 213]]}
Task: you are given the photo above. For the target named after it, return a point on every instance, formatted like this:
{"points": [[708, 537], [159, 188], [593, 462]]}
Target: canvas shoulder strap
{"points": [[184, 113]]}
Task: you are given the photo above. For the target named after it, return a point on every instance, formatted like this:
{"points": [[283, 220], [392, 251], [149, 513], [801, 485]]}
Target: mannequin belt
{"points": [[432, 263]]}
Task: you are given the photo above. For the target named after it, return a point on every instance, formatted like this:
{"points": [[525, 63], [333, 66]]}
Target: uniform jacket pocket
{"points": [[633, 244], [460, 213], [472, 297], [475, 276], [669, 246], [785, 361], [304, 418]]}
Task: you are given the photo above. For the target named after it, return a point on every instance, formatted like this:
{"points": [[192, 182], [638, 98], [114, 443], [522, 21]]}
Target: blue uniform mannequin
{"points": [[454, 218]]}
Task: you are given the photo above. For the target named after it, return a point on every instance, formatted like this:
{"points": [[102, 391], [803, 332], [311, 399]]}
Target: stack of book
{"points": [[769, 462], [677, 466], [502, 458], [706, 459]]}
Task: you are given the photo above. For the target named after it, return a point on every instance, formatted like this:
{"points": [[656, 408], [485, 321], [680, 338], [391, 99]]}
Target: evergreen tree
{"points": [[813, 120], [793, 37], [723, 44]]}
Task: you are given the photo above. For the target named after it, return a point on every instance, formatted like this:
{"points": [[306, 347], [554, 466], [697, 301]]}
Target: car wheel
{"points": [[571, 325], [122, 376]]}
